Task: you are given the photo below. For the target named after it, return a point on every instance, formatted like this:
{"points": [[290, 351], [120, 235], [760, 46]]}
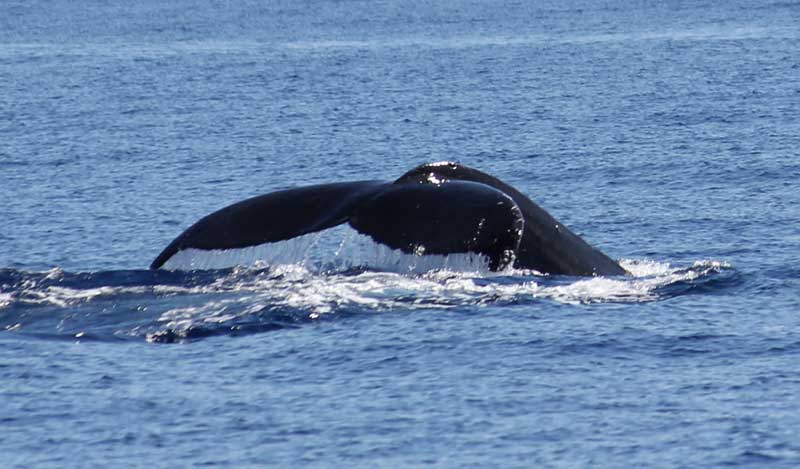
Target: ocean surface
{"points": [[667, 134]]}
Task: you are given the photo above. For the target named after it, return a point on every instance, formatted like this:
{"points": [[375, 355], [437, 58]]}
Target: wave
{"points": [[178, 306]]}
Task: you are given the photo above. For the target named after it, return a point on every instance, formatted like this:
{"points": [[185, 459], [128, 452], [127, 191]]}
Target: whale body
{"points": [[436, 208]]}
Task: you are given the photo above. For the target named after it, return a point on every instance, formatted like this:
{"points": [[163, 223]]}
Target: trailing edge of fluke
{"points": [[437, 208]]}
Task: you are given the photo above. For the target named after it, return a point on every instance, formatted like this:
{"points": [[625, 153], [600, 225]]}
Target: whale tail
{"points": [[436, 208], [458, 217]]}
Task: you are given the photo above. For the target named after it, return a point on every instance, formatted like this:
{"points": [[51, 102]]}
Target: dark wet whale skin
{"points": [[436, 208]]}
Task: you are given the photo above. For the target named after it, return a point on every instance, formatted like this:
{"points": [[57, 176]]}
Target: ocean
{"points": [[664, 133]]}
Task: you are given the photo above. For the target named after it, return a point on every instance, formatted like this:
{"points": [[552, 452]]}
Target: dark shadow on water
{"points": [[171, 336]]}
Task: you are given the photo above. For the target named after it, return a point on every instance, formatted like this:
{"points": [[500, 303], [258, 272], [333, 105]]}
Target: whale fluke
{"points": [[437, 208]]}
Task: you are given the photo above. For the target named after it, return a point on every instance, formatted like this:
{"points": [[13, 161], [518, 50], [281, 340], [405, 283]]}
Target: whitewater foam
{"points": [[164, 306]]}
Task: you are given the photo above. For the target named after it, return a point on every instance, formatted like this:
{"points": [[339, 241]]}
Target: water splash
{"points": [[337, 249], [163, 306]]}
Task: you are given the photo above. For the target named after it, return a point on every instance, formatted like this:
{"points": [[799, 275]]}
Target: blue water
{"points": [[665, 133]]}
